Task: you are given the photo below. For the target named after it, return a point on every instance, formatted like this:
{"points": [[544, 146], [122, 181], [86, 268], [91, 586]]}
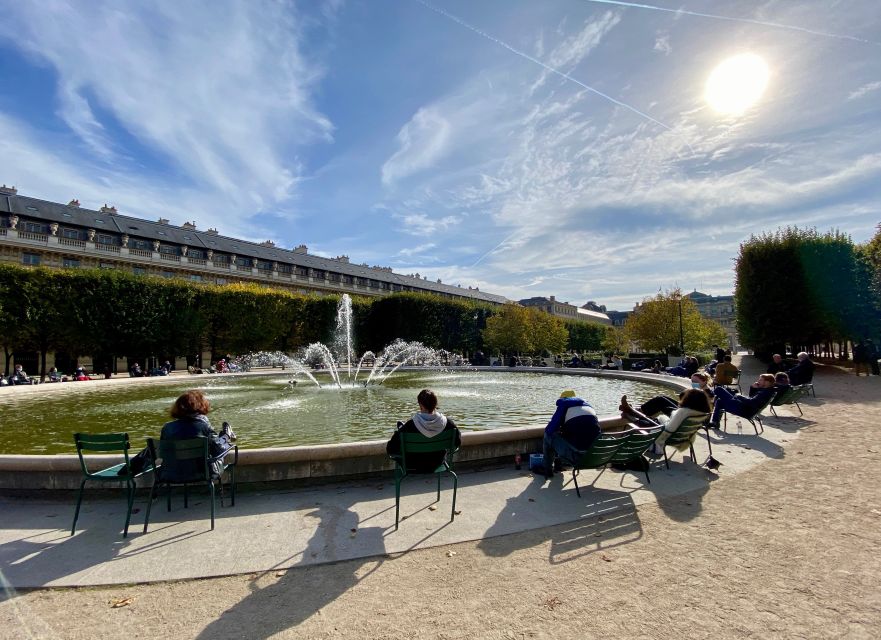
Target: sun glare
{"points": [[737, 83]]}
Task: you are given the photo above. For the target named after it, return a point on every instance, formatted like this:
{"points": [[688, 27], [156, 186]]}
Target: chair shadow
{"points": [[601, 519], [303, 590]]}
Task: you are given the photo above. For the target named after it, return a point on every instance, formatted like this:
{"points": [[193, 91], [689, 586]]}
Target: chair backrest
{"points": [[635, 444], [789, 396], [103, 442], [182, 460], [415, 442], [687, 429], [600, 452]]}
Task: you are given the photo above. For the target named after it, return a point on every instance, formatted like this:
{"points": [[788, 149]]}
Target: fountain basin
{"points": [[331, 462]]}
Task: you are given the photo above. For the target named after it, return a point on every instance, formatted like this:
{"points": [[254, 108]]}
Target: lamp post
{"points": [[681, 333]]}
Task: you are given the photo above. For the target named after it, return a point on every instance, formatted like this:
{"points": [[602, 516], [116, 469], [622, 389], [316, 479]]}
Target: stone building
{"points": [[566, 311], [720, 309], [41, 233]]}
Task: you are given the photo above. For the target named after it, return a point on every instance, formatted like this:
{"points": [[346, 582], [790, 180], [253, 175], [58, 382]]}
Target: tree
{"points": [[548, 333], [615, 340], [585, 336], [655, 323], [801, 287], [508, 330]]}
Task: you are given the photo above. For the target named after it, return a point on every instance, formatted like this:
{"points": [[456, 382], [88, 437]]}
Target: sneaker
{"points": [[228, 432], [714, 425]]}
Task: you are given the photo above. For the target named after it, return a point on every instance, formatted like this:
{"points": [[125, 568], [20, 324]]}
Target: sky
{"points": [[529, 148]]}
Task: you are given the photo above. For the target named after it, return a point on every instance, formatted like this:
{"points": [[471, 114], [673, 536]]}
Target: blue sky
{"points": [[529, 148]]}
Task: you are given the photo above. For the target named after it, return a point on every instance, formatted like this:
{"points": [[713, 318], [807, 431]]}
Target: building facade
{"points": [[720, 309], [566, 311], [40, 233]]}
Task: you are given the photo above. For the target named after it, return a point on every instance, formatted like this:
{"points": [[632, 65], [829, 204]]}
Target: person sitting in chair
{"points": [[429, 422], [725, 371], [776, 364], [694, 402], [803, 372], [762, 392], [573, 427], [781, 383], [190, 413]]}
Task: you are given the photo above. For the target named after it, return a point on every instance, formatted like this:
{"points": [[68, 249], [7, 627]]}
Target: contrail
{"points": [[494, 249], [565, 76], [763, 23]]}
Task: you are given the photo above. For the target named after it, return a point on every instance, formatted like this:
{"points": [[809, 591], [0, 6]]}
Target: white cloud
{"points": [[865, 89], [219, 89], [662, 44], [421, 143]]}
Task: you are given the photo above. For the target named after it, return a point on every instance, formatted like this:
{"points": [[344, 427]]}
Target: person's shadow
{"points": [[301, 591]]}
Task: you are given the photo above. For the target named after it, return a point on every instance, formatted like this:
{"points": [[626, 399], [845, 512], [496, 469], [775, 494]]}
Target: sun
{"points": [[737, 83]]}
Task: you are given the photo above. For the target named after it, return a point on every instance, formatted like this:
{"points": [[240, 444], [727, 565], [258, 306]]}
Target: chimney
{"points": [[212, 232], [74, 203], [8, 191], [301, 248], [267, 243], [344, 259], [189, 226], [110, 210], [163, 220], [553, 299]]}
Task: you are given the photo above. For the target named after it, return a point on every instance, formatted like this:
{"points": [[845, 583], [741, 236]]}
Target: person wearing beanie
{"points": [[573, 427]]}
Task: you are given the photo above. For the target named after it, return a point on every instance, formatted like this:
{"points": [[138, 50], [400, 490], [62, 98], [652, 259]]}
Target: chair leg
{"points": [[438, 487], [455, 487], [131, 487], [707, 436], [397, 500], [666, 460], [150, 503], [800, 412], [211, 490], [79, 501], [186, 495], [725, 421], [691, 451], [575, 480], [232, 479], [169, 497], [774, 412]]}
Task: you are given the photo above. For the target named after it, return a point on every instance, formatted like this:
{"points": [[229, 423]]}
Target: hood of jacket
{"points": [[430, 424]]}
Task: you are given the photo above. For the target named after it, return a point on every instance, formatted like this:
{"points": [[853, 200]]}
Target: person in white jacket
{"points": [[694, 402]]}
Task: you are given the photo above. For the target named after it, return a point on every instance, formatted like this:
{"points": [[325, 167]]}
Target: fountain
{"points": [[337, 358]]}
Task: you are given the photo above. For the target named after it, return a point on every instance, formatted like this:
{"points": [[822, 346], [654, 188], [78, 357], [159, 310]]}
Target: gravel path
{"points": [[787, 549]]}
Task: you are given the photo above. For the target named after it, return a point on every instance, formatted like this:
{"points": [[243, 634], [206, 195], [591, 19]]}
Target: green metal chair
{"points": [[755, 419], [638, 440], [734, 385], [790, 396], [107, 443], [686, 433], [597, 456], [186, 462], [417, 443]]}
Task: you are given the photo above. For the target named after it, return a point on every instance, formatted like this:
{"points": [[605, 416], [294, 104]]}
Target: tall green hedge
{"points": [[109, 314], [802, 288]]}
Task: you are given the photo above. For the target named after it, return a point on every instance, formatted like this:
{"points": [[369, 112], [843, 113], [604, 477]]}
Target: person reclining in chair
{"points": [[803, 372], [761, 393], [430, 423], [573, 427], [693, 402]]}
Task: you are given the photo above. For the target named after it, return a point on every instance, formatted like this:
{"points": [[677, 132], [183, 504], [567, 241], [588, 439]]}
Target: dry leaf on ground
{"points": [[116, 603]]}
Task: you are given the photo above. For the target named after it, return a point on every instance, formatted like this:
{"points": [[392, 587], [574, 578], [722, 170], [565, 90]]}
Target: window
{"points": [[169, 250], [71, 263], [72, 234], [318, 273], [30, 258], [264, 265], [219, 258], [99, 221], [139, 271], [162, 233], [143, 245], [302, 271], [196, 253], [195, 277], [29, 208], [284, 268], [34, 227], [133, 228], [66, 215], [221, 281], [167, 274], [243, 262], [106, 265], [103, 238]]}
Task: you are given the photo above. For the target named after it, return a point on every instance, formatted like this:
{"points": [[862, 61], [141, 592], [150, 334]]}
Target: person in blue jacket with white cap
{"points": [[573, 427]]}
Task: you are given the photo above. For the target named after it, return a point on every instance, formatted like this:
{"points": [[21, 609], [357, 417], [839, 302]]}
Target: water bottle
{"points": [[517, 460]]}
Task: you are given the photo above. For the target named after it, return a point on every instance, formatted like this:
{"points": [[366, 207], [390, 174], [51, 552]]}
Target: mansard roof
{"points": [[115, 222]]}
